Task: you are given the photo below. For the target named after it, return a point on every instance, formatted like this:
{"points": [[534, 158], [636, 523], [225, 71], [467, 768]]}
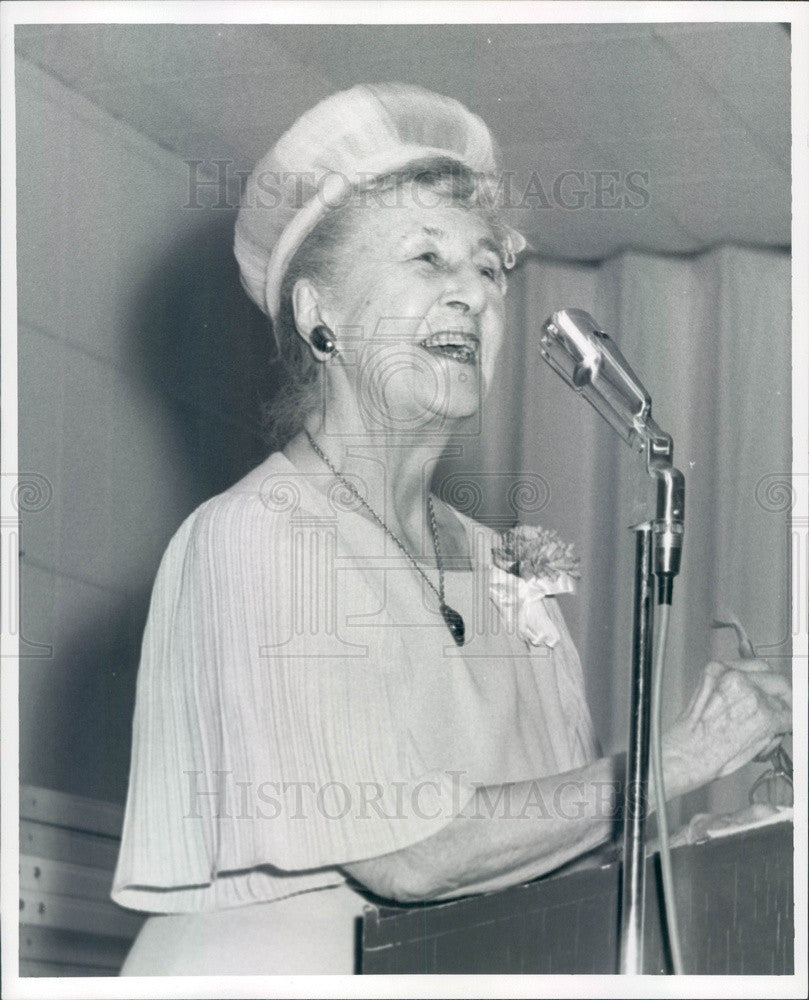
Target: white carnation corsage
{"points": [[531, 564]]}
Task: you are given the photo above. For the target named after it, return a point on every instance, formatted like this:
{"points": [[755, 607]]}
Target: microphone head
{"points": [[589, 361]]}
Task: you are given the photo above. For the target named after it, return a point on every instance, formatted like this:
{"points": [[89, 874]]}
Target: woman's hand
{"points": [[737, 710]]}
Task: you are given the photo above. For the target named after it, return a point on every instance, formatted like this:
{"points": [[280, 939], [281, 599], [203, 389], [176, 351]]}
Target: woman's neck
{"points": [[391, 470]]}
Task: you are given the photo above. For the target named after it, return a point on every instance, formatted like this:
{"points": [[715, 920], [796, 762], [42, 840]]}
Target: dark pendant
{"points": [[454, 622]]}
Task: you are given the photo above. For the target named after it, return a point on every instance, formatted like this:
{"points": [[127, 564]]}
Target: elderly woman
{"points": [[337, 699]]}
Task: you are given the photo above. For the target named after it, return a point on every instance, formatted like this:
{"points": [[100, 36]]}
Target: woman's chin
{"points": [[424, 419], [459, 401], [425, 405], [461, 393]]}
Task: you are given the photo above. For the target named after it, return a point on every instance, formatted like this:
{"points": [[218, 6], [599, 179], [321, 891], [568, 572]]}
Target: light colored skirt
{"points": [[311, 933]]}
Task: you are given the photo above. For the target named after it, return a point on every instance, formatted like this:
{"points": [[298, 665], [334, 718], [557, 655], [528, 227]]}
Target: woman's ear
{"points": [[306, 307], [311, 323]]}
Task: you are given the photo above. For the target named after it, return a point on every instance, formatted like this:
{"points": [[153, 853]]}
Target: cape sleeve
{"points": [[266, 730]]}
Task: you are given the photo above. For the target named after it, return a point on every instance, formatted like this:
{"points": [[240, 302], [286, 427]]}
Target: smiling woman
{"points": [[412, 217], [335, 683], [426, 307]]}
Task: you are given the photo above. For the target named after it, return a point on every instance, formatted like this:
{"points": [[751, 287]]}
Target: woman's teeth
{"points": [[464, 353]]}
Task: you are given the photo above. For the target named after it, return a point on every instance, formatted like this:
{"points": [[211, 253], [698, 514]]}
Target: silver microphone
{"points": [[590, 362]]}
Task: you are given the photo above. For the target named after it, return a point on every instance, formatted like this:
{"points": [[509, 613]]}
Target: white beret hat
{"points": [[344, 141]]}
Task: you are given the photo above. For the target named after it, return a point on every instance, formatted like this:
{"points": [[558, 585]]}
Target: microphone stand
{"points": [[590, 362], [657, 554]]}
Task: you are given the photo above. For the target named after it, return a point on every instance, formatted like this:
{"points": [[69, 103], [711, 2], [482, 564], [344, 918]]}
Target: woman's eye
{"points": [[429, 256], [491, 272]]}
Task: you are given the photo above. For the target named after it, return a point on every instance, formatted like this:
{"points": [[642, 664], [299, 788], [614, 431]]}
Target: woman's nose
{"points": [[466, 290]]}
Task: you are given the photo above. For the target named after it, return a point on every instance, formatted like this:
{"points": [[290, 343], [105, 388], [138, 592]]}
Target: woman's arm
{"points": [[508, 834]]}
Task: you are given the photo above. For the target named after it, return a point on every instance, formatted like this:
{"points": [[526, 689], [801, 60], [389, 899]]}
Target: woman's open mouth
{"points": [[461, 347]]}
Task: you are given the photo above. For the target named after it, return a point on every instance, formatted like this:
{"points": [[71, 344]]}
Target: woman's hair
{"points": [[324, 256]]}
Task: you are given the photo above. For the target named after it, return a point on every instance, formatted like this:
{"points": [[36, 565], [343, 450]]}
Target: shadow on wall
{"points": [[198, 372], [201, 348]]}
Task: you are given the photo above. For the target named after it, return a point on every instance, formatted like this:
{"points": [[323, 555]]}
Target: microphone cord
{"points": [[663, 611]]}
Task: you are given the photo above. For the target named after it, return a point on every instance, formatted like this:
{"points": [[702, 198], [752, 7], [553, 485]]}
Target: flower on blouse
{"points": [[530, 564]]}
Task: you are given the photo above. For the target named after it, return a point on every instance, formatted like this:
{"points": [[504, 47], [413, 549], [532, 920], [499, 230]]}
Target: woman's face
{"points": [[419, 312]]}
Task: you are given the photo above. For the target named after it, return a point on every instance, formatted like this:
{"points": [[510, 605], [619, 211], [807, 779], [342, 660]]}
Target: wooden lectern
{"points": [[734, 899]]}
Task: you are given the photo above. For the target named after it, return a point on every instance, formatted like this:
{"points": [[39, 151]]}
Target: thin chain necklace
{"points": [[453, 619]]}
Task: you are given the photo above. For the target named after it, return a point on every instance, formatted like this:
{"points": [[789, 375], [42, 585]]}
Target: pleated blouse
{"points": [[301, 703]]}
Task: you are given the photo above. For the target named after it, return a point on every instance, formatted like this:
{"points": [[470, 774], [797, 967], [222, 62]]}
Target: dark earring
{"points": [[321, 340]]}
